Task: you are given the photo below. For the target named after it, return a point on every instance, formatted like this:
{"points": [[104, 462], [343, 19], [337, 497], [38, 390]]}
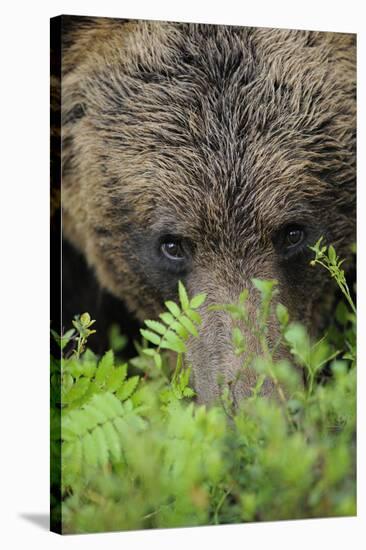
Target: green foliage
{"points": [[63, 340], [177, 325], [327, 258], [137, 452]]}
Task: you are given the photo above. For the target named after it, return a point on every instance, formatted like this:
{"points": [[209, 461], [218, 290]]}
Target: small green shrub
{"points": [[137, 452]]}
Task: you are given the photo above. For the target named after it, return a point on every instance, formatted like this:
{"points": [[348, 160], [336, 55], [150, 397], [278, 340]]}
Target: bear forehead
{"points": [[244, 121], [223, 103], [239, 74]]}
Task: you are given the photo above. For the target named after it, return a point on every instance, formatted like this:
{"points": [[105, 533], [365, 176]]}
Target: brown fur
{"points": [[221, 135]]}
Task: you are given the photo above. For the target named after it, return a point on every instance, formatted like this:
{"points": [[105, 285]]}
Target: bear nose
{"points": [[215, 364]]}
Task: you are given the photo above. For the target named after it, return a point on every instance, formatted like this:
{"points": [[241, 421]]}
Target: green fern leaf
{"points": [[150, 336], [183, 296], [67, 383], [194, 316], [67, 433], [150, 352], [173, 308], [177, 392], [158, 360], [156, 326], [173, 342], [187, 323], [76, 391], [116, 378], [105, 368], [89, 364], [108, 404], [184, 377], [72, 461], [76, 423], [71, 367], [332, 255], [101, 446], [112, 441], [198, 300], [167, 318], [92, 390], [94, 413], [128, 388], [125, 424], [188, 392], [90, 453], [92, 425], [120, 425], [180, 329]]}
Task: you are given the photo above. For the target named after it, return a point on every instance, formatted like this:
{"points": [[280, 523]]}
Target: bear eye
{"points": [[294, 236], [172, 249]]}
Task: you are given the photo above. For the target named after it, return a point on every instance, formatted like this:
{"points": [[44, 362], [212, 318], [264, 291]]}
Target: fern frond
{"points": [[128, 388], [176, 326], [105, 368], [84, 378], [92, 435], [116, 378]]}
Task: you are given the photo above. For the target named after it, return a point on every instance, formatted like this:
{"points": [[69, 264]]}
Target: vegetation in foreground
{"points": [[138, 452]]}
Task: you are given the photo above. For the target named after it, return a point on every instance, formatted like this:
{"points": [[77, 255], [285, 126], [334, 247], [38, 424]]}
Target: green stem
{"points": [[219, 505], [349, 299], [342, 285]]}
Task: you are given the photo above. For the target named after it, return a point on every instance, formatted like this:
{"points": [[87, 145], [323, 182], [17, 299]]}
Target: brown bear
{"points": [[208, 154]]}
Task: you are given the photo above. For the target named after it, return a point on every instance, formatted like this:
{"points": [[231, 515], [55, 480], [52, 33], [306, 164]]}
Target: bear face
{"points": [[212, 155]]}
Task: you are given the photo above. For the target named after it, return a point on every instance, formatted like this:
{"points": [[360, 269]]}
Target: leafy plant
{"points": [[138, 452], [82, 325], [175, 327], [327, 258]]}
